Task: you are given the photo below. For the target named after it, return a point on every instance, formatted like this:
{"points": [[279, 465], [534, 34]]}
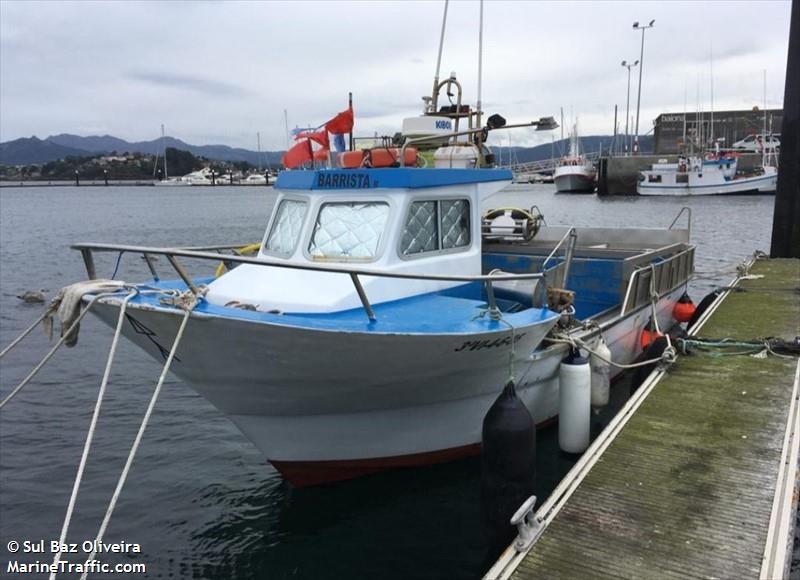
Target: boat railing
{"points": [[212, 253], [560, 273], [684, 210], [657, 278]]}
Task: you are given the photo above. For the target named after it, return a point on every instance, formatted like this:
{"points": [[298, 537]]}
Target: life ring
{"points": [[243, 251], [528, 224]]}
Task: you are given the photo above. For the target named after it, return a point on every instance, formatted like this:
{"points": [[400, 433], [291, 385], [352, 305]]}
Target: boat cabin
{"points": [[429, 222], [403, 220]]}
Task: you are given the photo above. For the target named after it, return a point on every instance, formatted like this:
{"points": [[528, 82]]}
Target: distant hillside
{"points": [[589, 144], [32, 150], [37, 151]]}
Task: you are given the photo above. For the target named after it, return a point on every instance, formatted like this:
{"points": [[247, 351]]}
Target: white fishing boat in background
{"points": [[715, 175], [574, 172]]}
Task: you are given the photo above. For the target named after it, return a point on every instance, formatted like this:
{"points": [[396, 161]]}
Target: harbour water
{"points": [[200, 499]]}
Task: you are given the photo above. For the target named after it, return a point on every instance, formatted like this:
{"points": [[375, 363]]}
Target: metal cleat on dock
{"points": [[528, 525]]}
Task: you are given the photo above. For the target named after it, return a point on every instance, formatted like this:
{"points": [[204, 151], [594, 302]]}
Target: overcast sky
{"points": [[218, 72]]}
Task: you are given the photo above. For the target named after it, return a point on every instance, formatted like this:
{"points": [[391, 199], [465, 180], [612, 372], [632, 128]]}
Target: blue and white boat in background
{"points": [[715, 175], [384, 313]]}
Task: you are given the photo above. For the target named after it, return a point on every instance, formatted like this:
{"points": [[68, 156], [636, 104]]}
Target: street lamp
{"points": [[637, 26], [628, 66]]}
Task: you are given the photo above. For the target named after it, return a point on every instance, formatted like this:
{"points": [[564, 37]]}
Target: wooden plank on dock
{"points": [[689, 486]]}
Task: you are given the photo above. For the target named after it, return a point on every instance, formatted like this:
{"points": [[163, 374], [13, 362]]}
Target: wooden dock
{"points": [[697, 475]]}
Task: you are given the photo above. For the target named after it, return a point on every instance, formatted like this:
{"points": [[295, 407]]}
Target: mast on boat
{"points": [[258, 140], [164, 146]]}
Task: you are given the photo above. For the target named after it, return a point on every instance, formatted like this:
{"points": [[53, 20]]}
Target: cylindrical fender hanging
{"points": [[703, 306], [574, 403], [508, 466], [601, 374]]}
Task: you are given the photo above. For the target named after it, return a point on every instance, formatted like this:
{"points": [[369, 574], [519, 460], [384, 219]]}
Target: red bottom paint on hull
{"points": [[308, 473]]}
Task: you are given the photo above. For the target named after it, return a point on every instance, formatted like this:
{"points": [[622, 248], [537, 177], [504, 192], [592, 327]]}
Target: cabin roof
{"points": [[386, 178]]}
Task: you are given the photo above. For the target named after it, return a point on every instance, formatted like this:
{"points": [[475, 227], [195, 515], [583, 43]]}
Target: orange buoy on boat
{"points": [[684, 309], [390, 156], [649, 335]]}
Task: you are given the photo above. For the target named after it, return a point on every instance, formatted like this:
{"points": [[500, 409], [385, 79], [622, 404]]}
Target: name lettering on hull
{"points": [[472, 345]]}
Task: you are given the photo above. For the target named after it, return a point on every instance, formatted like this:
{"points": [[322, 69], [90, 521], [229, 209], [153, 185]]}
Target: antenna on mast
{"points": [[480, 63], [435, 92]]}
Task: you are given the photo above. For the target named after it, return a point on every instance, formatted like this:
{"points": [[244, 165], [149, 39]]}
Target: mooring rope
{"points": [[92, 425], [52, 351], [124, 475], [26, 332], [667, 357]]}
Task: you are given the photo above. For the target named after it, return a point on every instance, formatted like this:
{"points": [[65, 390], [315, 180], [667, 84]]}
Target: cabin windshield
{"points": [[286, 227], [348, 231]]}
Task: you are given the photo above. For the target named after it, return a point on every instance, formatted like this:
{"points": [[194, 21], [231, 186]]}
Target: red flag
{"points": [[320, 137], [341, 123], [297, 155]]}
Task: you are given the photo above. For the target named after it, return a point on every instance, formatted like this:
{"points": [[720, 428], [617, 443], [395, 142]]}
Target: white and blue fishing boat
{"points": [[383, 313], [715, 174]]}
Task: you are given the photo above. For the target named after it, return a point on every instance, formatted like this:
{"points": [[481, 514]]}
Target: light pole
{"points": [[628, 66], [636, 26]]}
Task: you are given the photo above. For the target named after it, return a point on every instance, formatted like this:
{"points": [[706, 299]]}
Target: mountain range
{"points": [[32, 150]]}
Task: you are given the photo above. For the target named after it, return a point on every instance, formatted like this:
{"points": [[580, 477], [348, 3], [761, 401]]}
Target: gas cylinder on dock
{"points": [[574, 403], [508, 466], [601, 374]]}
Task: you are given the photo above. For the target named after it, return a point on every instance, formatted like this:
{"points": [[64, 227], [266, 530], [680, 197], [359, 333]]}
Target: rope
{"points": [[25, 333], [53, 350], [487, 310], [92, 425], [766, 346], [667, 358], [116, 267], [124, 475]]}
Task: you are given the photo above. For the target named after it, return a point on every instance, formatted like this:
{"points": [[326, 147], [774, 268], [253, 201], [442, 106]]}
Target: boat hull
{"points": [[574, 183], [326, 406], [766, 184]]}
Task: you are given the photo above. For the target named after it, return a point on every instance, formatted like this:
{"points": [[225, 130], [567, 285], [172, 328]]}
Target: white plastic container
{"points": [[601, 374], [574, 404], [456, 157]]}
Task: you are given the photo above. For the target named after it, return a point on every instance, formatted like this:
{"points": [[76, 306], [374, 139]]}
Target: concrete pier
{"points": [[697, 474]]}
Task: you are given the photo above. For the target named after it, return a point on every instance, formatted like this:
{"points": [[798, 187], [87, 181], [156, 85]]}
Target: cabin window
{"points": [[286, 227], [348, 231], [455, 224], [421, 232], [682, 178], [654, 178], [436, 225]]}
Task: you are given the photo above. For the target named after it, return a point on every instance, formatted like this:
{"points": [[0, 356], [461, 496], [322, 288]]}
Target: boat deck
{"points": [[700, 480], [458, 310]]}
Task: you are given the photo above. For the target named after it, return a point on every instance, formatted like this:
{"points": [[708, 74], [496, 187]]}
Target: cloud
{"points": [[196, 84], [224, 71]]}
